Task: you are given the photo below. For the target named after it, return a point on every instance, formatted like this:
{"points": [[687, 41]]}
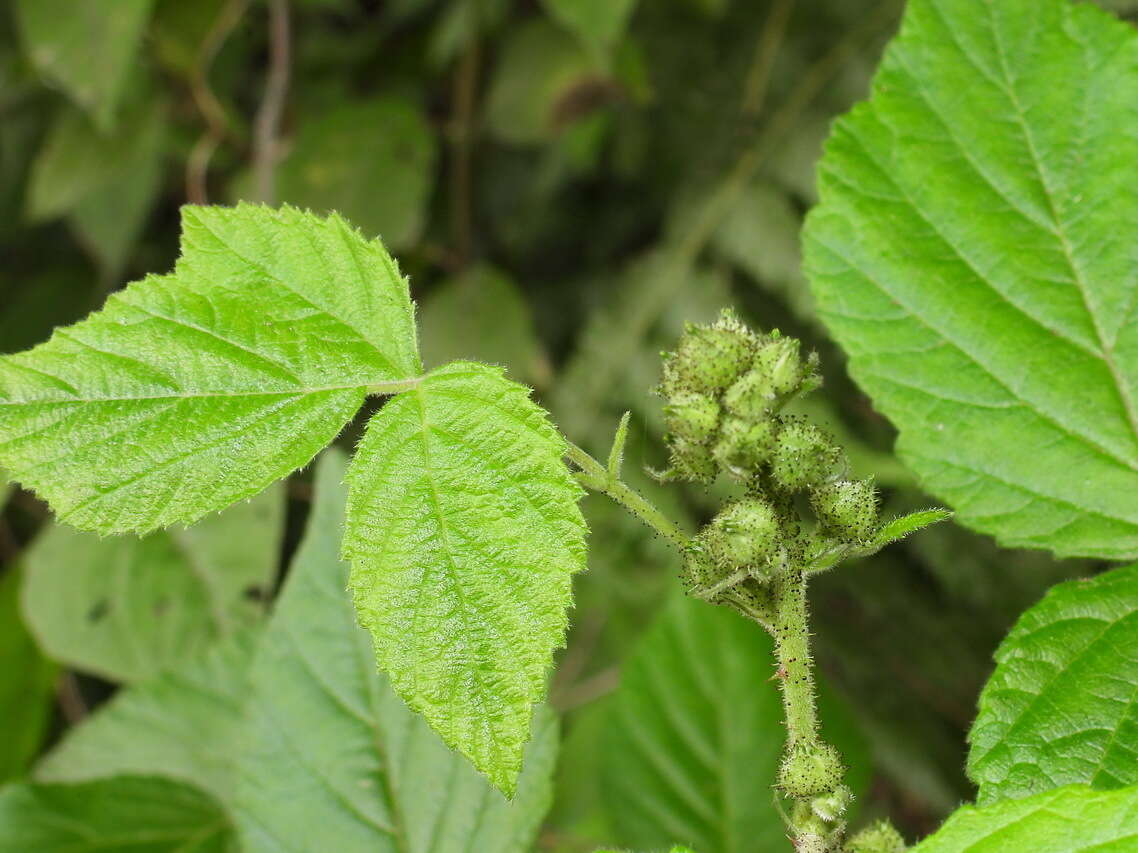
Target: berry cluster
{"points": [[725, 389]]}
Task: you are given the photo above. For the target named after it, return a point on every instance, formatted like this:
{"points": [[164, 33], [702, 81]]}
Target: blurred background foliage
{"points": [[566, 182]]}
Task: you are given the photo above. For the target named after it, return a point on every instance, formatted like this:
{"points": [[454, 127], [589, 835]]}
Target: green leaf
{"points": [[373, 162], [330, 745], [970, 253], [78, 163], [126, 608], [192, 390], [482, 315], [599, 23], [26, 683], [1061, 707], [1073, 819], [463, 533], [131, 814], [183, 724], [697, 733], [532, 91], [86, 48], [898, 528]]}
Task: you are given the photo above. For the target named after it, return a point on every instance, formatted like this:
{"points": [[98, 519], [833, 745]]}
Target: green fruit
{"points": [[804, 456], [846, 507], [745, 533], [744, 445], [691, 416], [879, 838], [810, 770], [709, 358]]}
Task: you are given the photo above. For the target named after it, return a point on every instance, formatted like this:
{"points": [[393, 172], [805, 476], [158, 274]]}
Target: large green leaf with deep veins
{"points": [[331, 752], [695, 736], [1062, 705], [973, 252], [184, 724], [1074, 819], [191, 390], [120, 814], [126, 607], [463, 533]]}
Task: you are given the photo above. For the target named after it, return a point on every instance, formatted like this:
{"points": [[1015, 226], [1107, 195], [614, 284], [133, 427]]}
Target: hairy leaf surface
{"points": [[463, 533], [126, 814], [126, 608], [192, 390], [330, 745], [696, 735], [1061, 707], [184, 724], [972, 252], [1074, 819]]}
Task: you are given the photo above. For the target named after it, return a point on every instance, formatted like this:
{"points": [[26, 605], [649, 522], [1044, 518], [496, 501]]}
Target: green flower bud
{"points": [[847, 508], [751, 396], [692, 461], [691, 416], [810, 770], [745, 533], [879, 838], [833, 805], [779, 361], [743, 445], [699, 571], [804, 456], [709, 358]]}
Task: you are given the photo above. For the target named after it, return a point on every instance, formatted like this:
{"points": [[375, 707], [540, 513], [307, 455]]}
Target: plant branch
{"points": [[268, 120], [595, 476], [795, 665]]}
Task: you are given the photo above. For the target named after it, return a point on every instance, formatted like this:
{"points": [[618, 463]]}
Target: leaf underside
{"points": [[326, 732], [463, 533], [192, 390], [973, 254], [1061, 707]]}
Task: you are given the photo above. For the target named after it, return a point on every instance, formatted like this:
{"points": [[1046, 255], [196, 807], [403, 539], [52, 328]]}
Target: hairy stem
{"points": [[792, 648], [597, 477]]}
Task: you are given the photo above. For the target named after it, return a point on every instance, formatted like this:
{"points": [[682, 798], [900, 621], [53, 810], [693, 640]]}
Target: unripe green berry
{"points": [[744, 445], [810, 770], [803, 456], [745, 533], [709, 358], [692, 461], [847, 508], [879, 838], [779, 361], [692, 416], [751, 396]]}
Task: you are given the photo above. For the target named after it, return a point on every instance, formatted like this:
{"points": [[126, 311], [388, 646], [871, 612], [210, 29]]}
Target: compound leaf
{"points": [[86, 48], [1061, 707], [1074, 819], [329, 744], [696, 734], [192, 390], [127, 814], [971, 253], [126, 608], [463, 533]]}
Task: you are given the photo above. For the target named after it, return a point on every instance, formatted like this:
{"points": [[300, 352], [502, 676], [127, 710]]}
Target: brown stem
{"points": [[266, 125]]}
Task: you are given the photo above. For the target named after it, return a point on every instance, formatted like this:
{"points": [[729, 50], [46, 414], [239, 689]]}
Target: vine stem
{"points": [[597, 477], [796, 667]]}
